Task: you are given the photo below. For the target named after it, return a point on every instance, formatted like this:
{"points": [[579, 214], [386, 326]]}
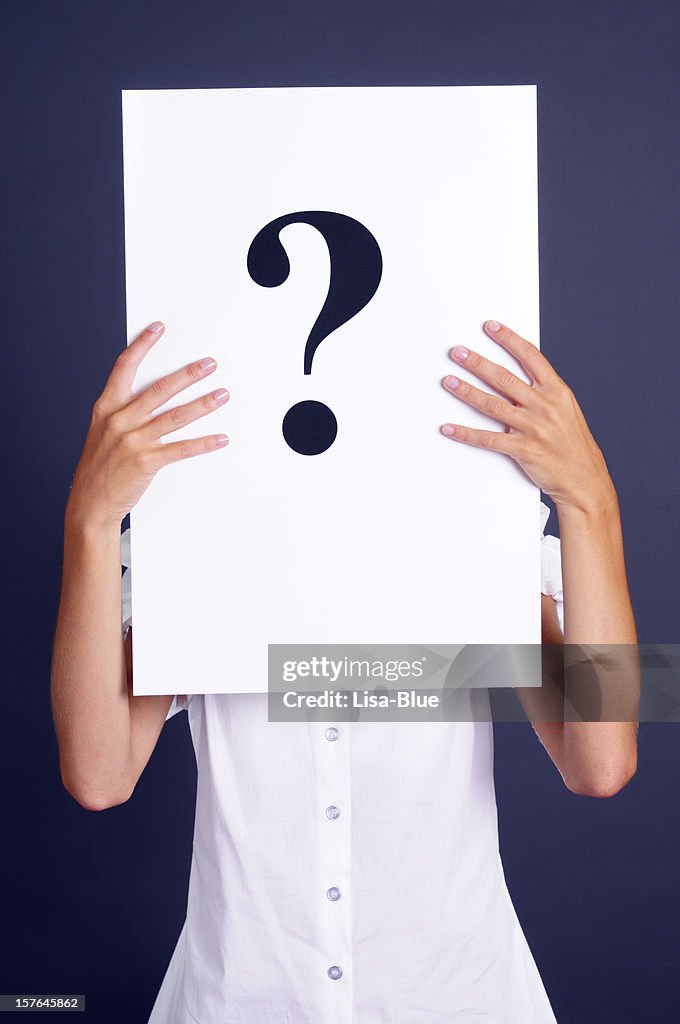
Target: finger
{"points": [[532, 360], [496, 440], [499, 377], [490, 405], [164, 424], [178, 450], [165, 388], [122, 376]]}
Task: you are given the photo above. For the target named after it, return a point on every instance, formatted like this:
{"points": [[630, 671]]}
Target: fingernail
{"points": [[451, 382], [221, 395], [448, 430], [207, 364], [460, 352], [156, 327], [221, 440], [493, 325]]}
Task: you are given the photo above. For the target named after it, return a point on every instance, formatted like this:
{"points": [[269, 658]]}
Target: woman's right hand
{"points": [[123, 450]]}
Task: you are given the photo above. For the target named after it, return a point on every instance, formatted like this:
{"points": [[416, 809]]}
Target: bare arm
{"points": [[547, 435], [596, 758], [105, 734]]}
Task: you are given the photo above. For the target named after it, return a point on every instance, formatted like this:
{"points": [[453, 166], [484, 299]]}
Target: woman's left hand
{"points": [[546, 432]]}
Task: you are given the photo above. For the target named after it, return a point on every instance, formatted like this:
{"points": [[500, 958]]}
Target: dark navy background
{"points": [[93, 902]]}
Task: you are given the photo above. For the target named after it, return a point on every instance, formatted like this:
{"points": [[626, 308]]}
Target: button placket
{"points": [[334, 904]]}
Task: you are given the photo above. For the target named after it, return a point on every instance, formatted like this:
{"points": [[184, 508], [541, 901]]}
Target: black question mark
{"points": [[310, 428]]}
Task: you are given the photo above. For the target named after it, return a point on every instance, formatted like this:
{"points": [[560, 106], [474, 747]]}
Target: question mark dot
{"points": [[309, 428]]}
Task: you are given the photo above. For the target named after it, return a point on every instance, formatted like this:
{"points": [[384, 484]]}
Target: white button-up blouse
{"points": [[347, 874]]}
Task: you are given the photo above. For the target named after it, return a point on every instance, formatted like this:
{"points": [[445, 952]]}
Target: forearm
{"points": [[89, 685], [596, 757], [597, 608]]}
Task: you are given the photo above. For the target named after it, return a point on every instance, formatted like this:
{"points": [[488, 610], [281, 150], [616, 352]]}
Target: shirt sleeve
{"points": [[126, 582], [180, 701], [551, 566]]}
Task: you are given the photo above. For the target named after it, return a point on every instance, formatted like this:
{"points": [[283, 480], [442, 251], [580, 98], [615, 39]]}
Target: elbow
{"points": [[600, 789], [602, 784], [93, 797], [95, 801]]}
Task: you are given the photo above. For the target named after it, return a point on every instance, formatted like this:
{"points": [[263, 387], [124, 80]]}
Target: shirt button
{"points": [[333, 893], [332, 812], [334, 973], [331, 733]]}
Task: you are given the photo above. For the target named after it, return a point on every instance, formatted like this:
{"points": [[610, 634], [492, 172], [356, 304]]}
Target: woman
{"points": [[339, 873]]}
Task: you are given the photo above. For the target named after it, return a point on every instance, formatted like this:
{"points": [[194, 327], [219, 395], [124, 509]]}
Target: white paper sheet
{"points": [[394, 534]]}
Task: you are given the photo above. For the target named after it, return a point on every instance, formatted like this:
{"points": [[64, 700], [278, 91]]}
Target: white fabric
{"points": [[551, 565], [424, 929]]}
